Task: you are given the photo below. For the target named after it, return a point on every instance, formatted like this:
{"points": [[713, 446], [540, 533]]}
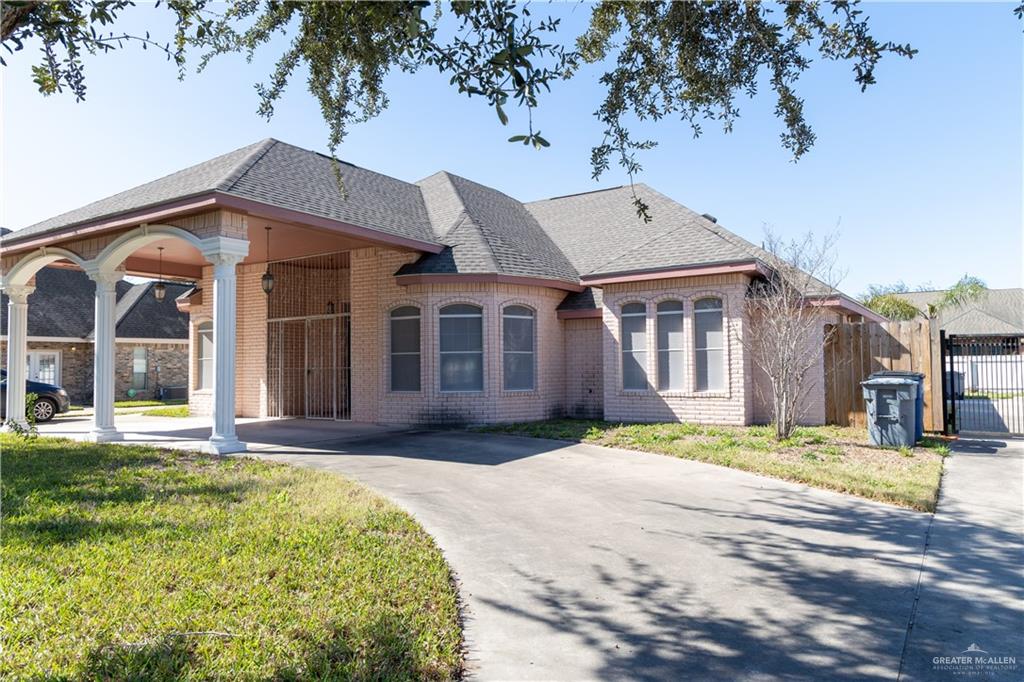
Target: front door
{"points": [[44, 366]]}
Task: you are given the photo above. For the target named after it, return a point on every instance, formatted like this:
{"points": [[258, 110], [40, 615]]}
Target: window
{"points": [[462, 348], [517, 343], [205, 355], [709, 346], [140, 368], [671, 368], [634, 346], [405, 349]]}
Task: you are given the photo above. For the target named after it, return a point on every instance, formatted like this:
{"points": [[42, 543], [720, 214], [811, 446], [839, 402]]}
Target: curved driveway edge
{"points": [[581, 562]]}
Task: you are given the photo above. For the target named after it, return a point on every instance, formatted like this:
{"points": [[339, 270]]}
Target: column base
{"points": [[7, 428], [219, 445], [107, 435]]}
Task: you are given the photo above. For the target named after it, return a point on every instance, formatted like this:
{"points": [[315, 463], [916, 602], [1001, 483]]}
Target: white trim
{"points": [[75, 339]]}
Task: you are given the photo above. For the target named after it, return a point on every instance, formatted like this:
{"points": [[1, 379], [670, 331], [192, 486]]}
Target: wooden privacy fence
{"points": [[855, 350]]}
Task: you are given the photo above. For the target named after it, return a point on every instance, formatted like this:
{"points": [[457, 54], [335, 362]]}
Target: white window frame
{"points": [[634, 351], [483, 370], [199, 355], [720, 310], [681, 350], [532, 317], [32, 361], [145, 381], [392, 353]]}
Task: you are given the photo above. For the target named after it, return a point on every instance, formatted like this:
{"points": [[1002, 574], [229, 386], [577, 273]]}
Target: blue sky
{"points": [[922, 173]]}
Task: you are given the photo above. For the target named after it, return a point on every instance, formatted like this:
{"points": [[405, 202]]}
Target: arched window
{"points": [[518, 348], [205, 338], [634, 346], [671, 363], [709, 344], [462, 348], [405, 348]]}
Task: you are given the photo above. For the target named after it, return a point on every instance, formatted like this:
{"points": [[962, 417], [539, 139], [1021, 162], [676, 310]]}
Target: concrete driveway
{"points": [[578, 562]]}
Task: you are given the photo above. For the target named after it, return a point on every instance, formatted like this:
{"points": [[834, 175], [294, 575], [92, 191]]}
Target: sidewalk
{"points": [[972, 585]]}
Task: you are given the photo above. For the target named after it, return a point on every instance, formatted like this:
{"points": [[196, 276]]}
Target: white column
{"points": [[17, 344], [223, 440], [103, 370]]}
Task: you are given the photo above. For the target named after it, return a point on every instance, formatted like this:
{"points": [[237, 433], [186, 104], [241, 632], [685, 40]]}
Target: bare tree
{"points": [[785, 329]]}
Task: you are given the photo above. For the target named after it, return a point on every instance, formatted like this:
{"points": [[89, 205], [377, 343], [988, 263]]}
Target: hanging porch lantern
{"points": [[267, 281], [160, 290]]}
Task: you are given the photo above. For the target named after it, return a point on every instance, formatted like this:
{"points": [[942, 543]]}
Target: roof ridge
{"points": [[129, 300], [469, 217], [245, 165], [577, 194]]}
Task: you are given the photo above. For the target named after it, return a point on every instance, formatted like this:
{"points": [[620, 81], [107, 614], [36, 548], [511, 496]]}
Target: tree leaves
{"points": [[686, 60]]}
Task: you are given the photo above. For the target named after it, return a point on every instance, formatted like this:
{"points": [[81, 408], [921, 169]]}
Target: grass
{"points": [[824, 457], [172, 411], [136, 563], [992, 395], [148, 403]]}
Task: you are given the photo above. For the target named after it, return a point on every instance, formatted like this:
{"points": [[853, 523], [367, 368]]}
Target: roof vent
{"points": [[709, 217]]}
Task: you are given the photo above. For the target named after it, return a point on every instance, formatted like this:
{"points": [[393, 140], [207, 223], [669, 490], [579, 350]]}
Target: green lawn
{"points": [[824, 457], [148, 403], [172, 411], [136, 563]]}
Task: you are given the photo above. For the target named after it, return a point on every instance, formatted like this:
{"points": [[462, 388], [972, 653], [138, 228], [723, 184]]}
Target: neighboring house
{"points": [[438, 301], [996, 311], [152, 343]]}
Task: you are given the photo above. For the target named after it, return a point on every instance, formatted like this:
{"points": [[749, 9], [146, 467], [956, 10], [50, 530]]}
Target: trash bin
{"points": [[919, 378], [892, 410]]}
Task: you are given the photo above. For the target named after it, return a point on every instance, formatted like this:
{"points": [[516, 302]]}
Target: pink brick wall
{"points": [[578, 362], [251, 344], [731, 406], [375, 294], [584, 368]]}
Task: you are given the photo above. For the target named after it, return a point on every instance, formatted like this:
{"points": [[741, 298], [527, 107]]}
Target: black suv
{"points": [[50, 400]]}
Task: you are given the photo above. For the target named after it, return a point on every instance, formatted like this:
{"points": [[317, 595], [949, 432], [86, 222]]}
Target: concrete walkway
{"points": [[578, 562], [972, 584]]}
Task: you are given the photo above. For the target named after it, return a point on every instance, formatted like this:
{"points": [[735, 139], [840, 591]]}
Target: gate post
{"points": [[943, 349]]}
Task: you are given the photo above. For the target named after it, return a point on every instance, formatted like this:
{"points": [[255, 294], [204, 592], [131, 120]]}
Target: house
{"points": [[151, 345], [996, 311], [437, 301]]}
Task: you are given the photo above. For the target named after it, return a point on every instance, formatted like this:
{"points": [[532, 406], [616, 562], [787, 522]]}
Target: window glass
{"points": [[671, 363], [205, 355], [518, 344], [140, 368], [405, 349], [709, 344], [634, 346], [461, 348]]}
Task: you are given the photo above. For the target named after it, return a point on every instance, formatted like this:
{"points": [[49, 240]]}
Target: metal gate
{"points": [[308, 369], [983, 383]]}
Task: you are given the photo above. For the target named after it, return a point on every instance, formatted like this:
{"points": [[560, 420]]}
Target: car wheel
{"points": [[44, 409]]}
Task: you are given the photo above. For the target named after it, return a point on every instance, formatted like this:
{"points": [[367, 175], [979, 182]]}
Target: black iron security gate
{"points": [[983, 383]]}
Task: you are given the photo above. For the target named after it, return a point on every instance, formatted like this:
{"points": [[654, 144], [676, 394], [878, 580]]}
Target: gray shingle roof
{"points": [[998, 311], [63, 303], [482, 229], [590, 298], [277, 174], [148, 318], [486, 231], [601, 233]]}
